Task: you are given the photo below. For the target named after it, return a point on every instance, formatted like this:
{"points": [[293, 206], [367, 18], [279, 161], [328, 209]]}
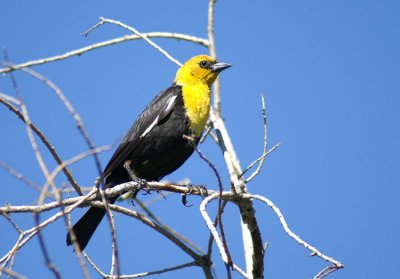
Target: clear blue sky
{"points": [[330, 74]]}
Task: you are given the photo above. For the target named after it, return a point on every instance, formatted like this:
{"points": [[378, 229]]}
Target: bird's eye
{"points": [[205, 64]]}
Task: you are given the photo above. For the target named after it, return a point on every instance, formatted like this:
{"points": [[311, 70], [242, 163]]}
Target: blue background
{"points": [[329, 71]]}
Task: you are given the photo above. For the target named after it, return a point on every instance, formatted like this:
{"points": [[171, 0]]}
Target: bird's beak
{"points": [[220, 66]]}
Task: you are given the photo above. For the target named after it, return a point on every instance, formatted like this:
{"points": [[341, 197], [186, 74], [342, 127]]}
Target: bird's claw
{"points": [[191, 188], [141, 185], [199, 188]]}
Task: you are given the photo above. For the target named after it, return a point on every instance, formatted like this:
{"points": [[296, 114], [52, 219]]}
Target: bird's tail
{"points": [[86, 226]]}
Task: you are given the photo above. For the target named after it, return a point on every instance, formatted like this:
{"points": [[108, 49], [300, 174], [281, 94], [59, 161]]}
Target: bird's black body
{"points": [[156, 144], [161, 150]]}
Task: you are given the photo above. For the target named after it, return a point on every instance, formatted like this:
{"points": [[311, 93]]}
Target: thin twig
{"points": [[115, 266], [12, 223], [12, 273], [178, 235], [240, 271], [220, 207], [148, 273], [213, 52], [10, 99], [257, 171], [213, 229], [135, 31], [258, 160], [45, 141], [20, 176], [103, 274], [75, 115], [229, 153], [285, 226], [326, 271], [50, 265], [73, 160], [25, 116], [211, 238], [67, 221], [76, 246], [142, 218], [209, 132], [80, 51], [28, 234]]}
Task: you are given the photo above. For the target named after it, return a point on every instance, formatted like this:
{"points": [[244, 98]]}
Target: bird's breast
{"points": [[197, 99]]}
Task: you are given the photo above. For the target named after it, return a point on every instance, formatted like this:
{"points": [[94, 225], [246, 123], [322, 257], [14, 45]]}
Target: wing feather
{"points": [[159, 109]]}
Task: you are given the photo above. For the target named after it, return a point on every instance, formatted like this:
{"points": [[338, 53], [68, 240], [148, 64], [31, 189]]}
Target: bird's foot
{"points": [[141, 185], [201, 189], [193, 189]]}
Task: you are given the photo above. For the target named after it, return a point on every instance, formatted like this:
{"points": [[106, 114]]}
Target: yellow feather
{"points": [[196, 82], [197, 99]]}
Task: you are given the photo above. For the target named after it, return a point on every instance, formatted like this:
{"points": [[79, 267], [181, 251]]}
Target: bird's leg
{"points": [[142, 183], [199, 188], [190, 139]]}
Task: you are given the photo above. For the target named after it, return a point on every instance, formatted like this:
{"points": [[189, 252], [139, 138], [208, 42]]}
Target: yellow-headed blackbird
{"points": [[156, 144]]}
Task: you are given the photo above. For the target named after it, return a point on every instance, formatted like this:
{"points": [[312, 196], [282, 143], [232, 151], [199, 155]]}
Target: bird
{"points": [[158, 142]]}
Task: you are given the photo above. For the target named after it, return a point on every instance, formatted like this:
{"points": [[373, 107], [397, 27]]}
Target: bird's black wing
{"points": [[158, 109]]}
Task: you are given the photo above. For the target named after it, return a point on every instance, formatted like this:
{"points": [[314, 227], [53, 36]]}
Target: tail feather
{"points": [[86, 226]]}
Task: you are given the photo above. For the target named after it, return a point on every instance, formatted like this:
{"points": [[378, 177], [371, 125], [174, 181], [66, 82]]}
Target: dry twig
{"points": [[80, 51], [45, 141], [134, 30]]}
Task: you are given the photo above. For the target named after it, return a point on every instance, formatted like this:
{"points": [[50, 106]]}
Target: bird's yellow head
{"points": [[200, 69]]}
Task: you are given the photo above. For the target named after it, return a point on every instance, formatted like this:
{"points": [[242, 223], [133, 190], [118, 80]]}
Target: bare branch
{"points": [[50, 265], [10, 99], [20, 176], [285, 226], [258, 160], [109, 193], [134, 30], [213, 53], [73, 160], [45, 141], [326, 271], [12, 223], [178, 235], [80, 51], [26, 119], [257, 171], [214, 232], [142, 218], [11, 273], [220, 207], [103, 275], [212, 228], [211, 238], [251, 239], [78, 254], [173, 268], [28, 234], [115, 267], [75, 115]]}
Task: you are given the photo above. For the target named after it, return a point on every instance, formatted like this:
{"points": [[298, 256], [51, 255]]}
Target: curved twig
{"points": [[80, 51]]}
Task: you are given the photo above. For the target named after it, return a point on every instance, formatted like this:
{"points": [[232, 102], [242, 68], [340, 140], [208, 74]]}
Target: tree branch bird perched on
{"points": [[156, 144]]}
